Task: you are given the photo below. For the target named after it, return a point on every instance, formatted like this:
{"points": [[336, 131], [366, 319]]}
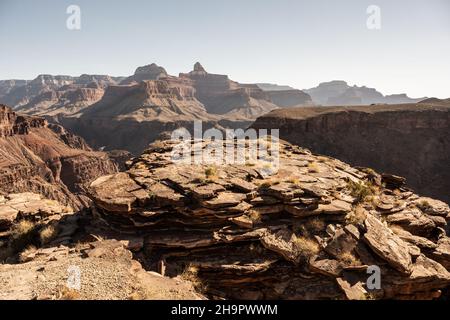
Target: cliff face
{"points": [[220, 95], [410, 140], [46, 159], [47, 91], [290, 98], [338, 92], [309, 230]]}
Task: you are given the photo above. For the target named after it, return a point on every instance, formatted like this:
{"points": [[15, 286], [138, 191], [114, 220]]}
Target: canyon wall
{"points": [[411, 140], [46, 159]]}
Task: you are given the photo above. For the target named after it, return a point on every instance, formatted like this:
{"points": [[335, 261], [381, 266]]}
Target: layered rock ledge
{"points": [[309, 230]]}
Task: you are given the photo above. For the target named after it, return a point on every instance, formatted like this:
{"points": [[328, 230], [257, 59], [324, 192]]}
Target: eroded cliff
{"points": [[46, 159], [412, 140]]}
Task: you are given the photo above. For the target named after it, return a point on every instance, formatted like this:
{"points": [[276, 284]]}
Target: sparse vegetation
{"points": [[361, 190], [268, 183], [315, 224], [313, 167], [369, 171], [424, 204], [254, 215], [349, 259], [357, 216], [294, 180], [47, 234], [190, 274], [211, 172], [27, 253], [22, 235], [307, 247]]}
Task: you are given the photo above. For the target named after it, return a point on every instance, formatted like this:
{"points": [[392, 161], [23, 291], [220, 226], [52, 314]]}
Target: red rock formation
{"points": [[148, 72], [48, 90], [46, 159], [220, 95]]}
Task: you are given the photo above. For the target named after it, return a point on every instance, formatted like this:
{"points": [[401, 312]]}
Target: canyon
{"points": [[46, 159], [309, 230], [338, 92], [87, 177], [411, 140]]}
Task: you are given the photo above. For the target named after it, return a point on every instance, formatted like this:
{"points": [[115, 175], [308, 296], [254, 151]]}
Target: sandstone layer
{"points": [[309, 228], [411, 140]]}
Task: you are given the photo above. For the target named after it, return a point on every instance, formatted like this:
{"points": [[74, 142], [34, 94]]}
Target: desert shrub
{"points": [[349, 259], [424, 204], [307, 247], [47, 234], [361, 190], [23, 234], [211, 172]]}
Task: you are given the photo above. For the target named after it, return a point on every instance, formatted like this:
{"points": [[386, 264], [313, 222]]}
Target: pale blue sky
{"points": [[292, 42]]}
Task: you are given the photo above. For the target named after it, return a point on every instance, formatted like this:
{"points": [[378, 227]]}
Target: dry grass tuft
{"points": [[27, 253], [190, 274], [360, 190], [47, 234], [356, 217], [349, 259], [211, 172], [22, 235], [255, 216], [65, 293], [313, 167], [316, 224], [307, 247]]}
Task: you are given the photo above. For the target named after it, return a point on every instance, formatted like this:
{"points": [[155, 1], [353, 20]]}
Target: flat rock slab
{"points": [[387, 245]]}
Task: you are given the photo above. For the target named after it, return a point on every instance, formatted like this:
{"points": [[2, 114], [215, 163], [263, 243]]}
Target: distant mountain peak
{"points": [[151, 69], [198, 67]]}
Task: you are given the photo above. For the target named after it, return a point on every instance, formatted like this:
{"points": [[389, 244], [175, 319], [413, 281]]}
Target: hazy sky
{"points": [[291, 42]]}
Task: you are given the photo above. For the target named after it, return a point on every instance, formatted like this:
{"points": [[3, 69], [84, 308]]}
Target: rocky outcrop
{"points": [[336, 93], [411, 140], [7, 85], [129, 117], [46, 159], [53, 92], [43, 243], [148, 72], [31, 207], [309, 228], [222, 96], [290, 98], [67, 100]]}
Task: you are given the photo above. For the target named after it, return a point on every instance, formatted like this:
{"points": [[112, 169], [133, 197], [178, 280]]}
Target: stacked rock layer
{"points": [[315, 228]]}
